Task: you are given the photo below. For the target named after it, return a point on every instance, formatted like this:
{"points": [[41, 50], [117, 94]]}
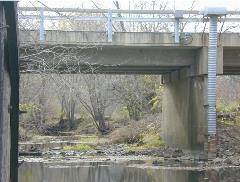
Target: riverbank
{"points": [[93, 147]]}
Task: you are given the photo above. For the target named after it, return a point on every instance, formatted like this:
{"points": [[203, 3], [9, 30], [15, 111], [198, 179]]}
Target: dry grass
{"points": [[79, 147], [134, 131]]}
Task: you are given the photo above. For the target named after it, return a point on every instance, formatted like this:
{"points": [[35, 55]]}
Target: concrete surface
{"points": [[184, 112], [193, 40], [133, 52]]}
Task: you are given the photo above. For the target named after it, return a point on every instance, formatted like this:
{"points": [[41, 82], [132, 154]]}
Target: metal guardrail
{"points": [[176, 17]]}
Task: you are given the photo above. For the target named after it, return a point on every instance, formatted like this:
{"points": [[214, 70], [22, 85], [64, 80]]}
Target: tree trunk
{"points": [[42, 102], [99, 117], [134, 112], [71, 114], [62, 109]]}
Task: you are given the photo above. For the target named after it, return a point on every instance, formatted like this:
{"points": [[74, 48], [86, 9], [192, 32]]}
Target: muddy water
{"points": [[135, 171]]}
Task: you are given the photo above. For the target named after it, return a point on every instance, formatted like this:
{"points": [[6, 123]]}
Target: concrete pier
{"points": [[185, 105], [185, 112]]}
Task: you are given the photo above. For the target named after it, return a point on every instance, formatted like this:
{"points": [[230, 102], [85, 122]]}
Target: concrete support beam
{"points": [[185, 113], [141, 56], [201, 62], [121, 60]]}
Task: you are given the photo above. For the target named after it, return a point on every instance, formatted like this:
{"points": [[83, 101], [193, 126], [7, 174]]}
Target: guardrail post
{"points": [[178, 15], [109, 26], [42, 30]]}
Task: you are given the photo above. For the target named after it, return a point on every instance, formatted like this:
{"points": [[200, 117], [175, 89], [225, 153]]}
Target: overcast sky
{"points": [[124, 4]]}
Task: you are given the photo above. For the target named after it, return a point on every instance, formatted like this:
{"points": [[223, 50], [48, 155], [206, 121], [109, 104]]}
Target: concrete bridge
{"points": [[142, 53], [183, 67], [189, 108]]}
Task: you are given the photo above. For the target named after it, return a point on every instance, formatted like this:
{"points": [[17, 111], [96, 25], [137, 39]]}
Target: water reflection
{"points": [[118, 172]]}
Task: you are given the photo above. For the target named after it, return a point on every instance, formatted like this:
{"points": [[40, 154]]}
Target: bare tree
{"points": [[116, 3], [135, 92], [97, 98], [67, 99]]}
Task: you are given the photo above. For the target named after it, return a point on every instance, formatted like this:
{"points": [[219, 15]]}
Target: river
{"points": [[116, 170]]}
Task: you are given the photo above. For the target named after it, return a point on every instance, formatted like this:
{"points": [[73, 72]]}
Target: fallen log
{"points": [[30, 153]]}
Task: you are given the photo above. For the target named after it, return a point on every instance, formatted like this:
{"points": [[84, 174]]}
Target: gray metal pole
{"points": [[176, 30], [41, 30], [212, 62], [109, 26], [213, 13]]}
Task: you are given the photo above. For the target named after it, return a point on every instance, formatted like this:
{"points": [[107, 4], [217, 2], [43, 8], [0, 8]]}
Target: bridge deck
{"points": [[129, 52], [188, 40]]}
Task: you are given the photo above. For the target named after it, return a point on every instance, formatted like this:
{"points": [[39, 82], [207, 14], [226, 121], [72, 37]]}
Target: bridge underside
{"points": [[124, 60], [100, 69]]}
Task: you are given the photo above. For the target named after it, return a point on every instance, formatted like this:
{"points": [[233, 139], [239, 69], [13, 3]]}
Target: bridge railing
{"points": [[176, 19]]}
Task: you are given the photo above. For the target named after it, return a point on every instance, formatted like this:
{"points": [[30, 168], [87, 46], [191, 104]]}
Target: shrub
{"points": [[121, 115], [29, 107], [231, 107], [152, 139], [24, 134], [125, 135], [156, 101], [229, 113], [134, 131]]}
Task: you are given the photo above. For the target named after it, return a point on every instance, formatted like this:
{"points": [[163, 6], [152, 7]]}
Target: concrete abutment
{"points": [[185, 113], [185, 106]]}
